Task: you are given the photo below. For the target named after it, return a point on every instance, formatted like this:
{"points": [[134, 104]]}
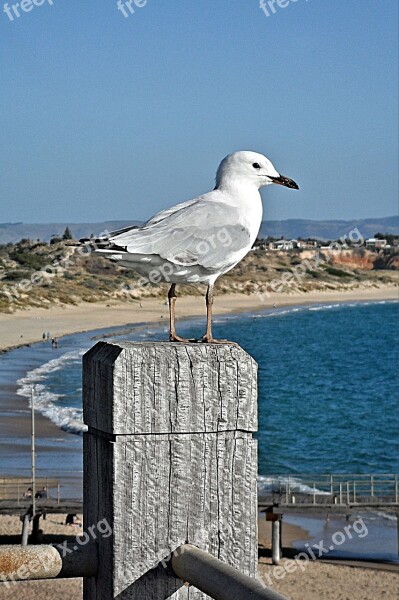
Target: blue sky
{"points": [[106, 117]]}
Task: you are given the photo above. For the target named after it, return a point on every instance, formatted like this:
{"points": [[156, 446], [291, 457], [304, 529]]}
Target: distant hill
{"points": [[290, 228], [13, 232], [328, 230]]}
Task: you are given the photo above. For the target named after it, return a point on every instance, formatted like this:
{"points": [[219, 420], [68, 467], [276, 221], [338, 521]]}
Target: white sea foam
{"points": [[387, 516], [270, 484], [325, 307], [286, 311], [70, 418], [278, 313], [67, 418]]}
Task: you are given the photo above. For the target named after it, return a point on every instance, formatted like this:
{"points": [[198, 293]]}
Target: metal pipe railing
{"points": [[216, 578], [48, 562], [372, 485], [207, 573]]}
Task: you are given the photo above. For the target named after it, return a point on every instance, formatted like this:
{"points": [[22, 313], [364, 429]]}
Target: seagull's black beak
{"points": [[286, 181]]}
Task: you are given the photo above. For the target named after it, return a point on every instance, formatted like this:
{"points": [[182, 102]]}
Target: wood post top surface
{"points": [[222, 350], [154, 387]]}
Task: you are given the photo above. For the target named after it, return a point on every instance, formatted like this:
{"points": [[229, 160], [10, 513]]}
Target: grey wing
{"points": [[120, 236], [163, 214], [204, 232]]}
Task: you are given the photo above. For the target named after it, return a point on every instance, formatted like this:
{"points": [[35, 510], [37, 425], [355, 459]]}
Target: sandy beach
{"points": [[27, 327], [314, 581], [322, 581], [317, 580]]}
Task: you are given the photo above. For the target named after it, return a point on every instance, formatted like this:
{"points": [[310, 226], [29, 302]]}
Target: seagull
{"points": [[199, 240]]}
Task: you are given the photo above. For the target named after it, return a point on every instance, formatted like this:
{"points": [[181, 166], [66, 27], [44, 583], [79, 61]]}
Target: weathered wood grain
{"points": [[169, 459], [150, 387]]}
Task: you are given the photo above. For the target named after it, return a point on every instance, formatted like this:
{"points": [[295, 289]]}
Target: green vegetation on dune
{"points": [[28, 259], [337, 272], [34, 273]]}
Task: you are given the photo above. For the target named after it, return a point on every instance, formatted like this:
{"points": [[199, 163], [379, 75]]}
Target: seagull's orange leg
{"points": [[208, 337], [172, 328], [209, 304]]}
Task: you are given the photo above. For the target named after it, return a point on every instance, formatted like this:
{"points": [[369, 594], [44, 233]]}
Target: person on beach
{"points": [[28, 493], [73, 520], [41, 493]]}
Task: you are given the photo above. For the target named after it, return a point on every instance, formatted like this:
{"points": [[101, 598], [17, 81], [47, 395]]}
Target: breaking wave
{"points": [[51, 404], [278, 484]]}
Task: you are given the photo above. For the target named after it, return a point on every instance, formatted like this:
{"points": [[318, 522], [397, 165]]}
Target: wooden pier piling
{"points": [[169, 460]]}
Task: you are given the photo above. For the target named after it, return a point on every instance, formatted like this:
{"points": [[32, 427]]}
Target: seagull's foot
{"points": [[211, 340], [177, 338]]}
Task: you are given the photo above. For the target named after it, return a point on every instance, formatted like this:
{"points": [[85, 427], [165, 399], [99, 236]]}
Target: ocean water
{"points": [[328, 385]]}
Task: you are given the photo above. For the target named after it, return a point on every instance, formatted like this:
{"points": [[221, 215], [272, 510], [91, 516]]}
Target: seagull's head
{"points": [[250, 168]]}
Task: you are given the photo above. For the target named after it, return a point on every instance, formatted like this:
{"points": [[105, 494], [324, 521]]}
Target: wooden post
{"points": [[169, 459], [25, 530], [37, 533], [276, 542], [397, 529]]}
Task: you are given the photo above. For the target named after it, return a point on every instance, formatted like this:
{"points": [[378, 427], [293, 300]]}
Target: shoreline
{"points": [[57, 444], [290, 535], [24, 328]]}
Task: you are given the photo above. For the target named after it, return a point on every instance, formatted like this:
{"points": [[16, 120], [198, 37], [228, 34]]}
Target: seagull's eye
{"points": [[256, 166]]}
